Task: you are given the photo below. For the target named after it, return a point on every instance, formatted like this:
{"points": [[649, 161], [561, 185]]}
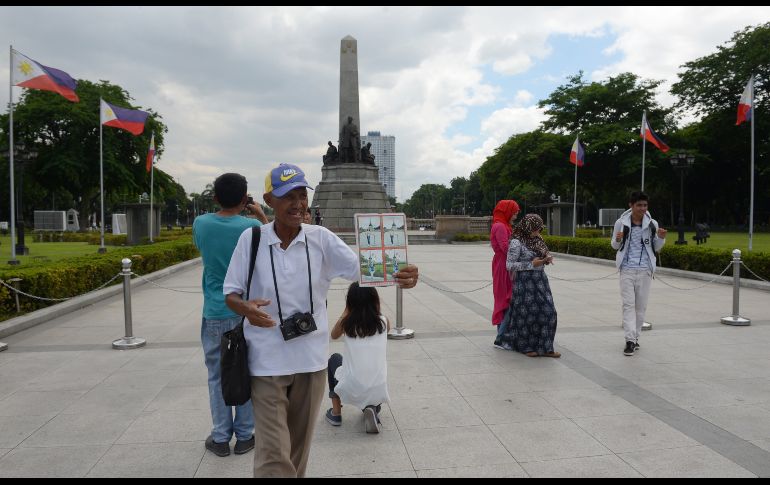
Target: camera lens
{"points": [[304, 325]]}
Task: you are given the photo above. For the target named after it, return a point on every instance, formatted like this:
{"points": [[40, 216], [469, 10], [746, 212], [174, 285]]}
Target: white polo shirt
{"points": [[330, 257]]}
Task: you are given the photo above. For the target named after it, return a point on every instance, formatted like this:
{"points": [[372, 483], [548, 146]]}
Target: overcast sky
{"points": [[244, 88]]}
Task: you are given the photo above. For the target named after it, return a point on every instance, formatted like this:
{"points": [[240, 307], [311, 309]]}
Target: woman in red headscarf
{"points": [[499, 237]]}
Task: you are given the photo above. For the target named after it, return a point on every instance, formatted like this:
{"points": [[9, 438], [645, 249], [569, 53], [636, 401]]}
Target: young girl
{"points": [[361, 378]]}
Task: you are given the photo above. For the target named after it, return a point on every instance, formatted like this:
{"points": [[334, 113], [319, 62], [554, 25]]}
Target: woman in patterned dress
{"points": [[529, 325]]}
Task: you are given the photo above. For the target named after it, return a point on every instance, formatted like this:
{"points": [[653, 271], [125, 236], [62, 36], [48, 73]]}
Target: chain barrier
{"points": [[450, 291], [759, 277], [697, 287], [165, 287], [582, 280], [56, 299], [343, 288]]}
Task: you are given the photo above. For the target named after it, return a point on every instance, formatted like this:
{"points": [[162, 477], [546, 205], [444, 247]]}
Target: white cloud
{"points": [[243, 88]]}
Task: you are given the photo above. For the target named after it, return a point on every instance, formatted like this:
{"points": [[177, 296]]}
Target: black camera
{"points": [[250, 201], [297, 325]]}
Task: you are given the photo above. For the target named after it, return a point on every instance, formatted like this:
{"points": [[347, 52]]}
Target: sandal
{"points": [[555, 355], [531, 354]]}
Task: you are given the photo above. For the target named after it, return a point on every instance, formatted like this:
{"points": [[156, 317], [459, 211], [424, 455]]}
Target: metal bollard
{"points": [[16, 293], [400, 333], [129, 341], [735, 318]]}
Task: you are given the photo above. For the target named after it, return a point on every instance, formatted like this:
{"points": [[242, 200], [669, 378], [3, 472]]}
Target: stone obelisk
{"points": [[348, 186], [349, 82]]}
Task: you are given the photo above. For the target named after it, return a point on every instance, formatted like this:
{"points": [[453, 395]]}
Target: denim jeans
{"points": [[335, 361], [222, 415]]}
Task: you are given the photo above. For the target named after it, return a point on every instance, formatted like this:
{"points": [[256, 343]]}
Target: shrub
{"points": [[75, 276], [689, 258], [465, 237]]}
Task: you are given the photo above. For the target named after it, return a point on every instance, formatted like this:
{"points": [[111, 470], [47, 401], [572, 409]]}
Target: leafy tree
{"points": [[710, 87], [428, 201], [66, 137], [607, 116]]}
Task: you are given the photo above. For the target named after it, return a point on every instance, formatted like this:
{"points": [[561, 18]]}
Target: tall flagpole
{"points": [[644, 143], [152, 184], [751, 197], [13, 260], [102, 249], [574, 200]]}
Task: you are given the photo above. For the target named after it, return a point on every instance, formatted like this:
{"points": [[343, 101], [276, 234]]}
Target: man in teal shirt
{"points": [[216, 235]]}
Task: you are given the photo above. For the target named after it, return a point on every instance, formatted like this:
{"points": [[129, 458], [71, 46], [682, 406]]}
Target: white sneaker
{"points": [[371, 424]]}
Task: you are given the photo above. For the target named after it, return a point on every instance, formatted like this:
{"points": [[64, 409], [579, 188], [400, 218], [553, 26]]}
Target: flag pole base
{"points": [[128, 343], [735, 320], [400, 333]]}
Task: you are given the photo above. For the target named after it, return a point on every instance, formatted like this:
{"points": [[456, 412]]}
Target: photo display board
{"points": [[382, 243]]}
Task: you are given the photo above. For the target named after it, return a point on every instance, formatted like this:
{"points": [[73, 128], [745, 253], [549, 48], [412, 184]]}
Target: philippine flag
{"points": [[131, 120], [577, 154], [33, 75], [650, 135], [151, 153], [745, 105]]}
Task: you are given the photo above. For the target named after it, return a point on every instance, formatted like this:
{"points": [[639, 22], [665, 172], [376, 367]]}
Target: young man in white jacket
{"points": [[637, 237]]}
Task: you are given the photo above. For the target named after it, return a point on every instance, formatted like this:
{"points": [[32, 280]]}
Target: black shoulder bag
{"points": [[234, 354]]}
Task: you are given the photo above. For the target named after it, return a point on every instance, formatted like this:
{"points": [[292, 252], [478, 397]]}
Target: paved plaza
{"points": [[694, 401]]}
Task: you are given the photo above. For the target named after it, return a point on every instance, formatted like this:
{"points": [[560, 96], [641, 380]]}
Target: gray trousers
{"points": [[634, 291]]}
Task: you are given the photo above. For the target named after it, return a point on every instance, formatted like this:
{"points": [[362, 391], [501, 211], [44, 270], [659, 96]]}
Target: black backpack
{"points": [[653, 235], [234, 353]]}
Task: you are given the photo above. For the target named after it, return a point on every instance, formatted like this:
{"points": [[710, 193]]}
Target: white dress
{"points": [[363, 376]]}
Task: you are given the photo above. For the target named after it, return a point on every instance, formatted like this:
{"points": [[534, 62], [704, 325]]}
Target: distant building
{"points": [[384, 151]]}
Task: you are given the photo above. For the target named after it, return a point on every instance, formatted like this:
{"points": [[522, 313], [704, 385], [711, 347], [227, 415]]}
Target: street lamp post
{"points": [[20, 155], [681, 162]]}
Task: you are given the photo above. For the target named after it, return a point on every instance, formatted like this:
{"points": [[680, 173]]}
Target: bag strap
{"points": [[256, 235], [625, 237]]}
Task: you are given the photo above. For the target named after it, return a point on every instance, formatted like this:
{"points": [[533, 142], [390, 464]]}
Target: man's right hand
{"points": [[618, 236], [255, 316], [259, 214]]}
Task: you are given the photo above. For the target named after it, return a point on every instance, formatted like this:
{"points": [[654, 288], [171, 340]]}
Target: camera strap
{"points": [[309, 281]]}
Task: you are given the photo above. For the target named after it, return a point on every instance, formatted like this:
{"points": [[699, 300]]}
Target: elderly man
{"points": [[288, 328]]}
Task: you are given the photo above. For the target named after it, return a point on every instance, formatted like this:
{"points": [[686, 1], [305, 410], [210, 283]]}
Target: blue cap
{"points": [[284, 178]]}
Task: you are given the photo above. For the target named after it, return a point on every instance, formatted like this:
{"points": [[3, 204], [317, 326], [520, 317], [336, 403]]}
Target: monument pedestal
{"points": [[347, 189], [138, 223]]}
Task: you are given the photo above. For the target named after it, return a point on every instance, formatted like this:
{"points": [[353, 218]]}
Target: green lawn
{"points": [[45, 252], [726, 240]]}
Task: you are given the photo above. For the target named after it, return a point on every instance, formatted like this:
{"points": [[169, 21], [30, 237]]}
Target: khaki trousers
{"points": [[285, 413]]}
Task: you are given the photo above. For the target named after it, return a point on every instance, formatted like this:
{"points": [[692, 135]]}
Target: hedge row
{"points": [[465, 237], [80, 275], [94, 237], [689, 258]]}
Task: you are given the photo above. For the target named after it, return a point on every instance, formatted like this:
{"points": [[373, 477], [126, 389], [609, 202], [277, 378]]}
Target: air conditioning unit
{"points": [[607, 217]]}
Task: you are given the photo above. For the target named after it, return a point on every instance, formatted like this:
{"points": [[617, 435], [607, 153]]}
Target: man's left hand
{"points": [[407, 277], [662, 233]]}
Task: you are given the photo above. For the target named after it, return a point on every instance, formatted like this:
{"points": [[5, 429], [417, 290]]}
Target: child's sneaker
{"points": [[371, 421], [333, 419]]}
